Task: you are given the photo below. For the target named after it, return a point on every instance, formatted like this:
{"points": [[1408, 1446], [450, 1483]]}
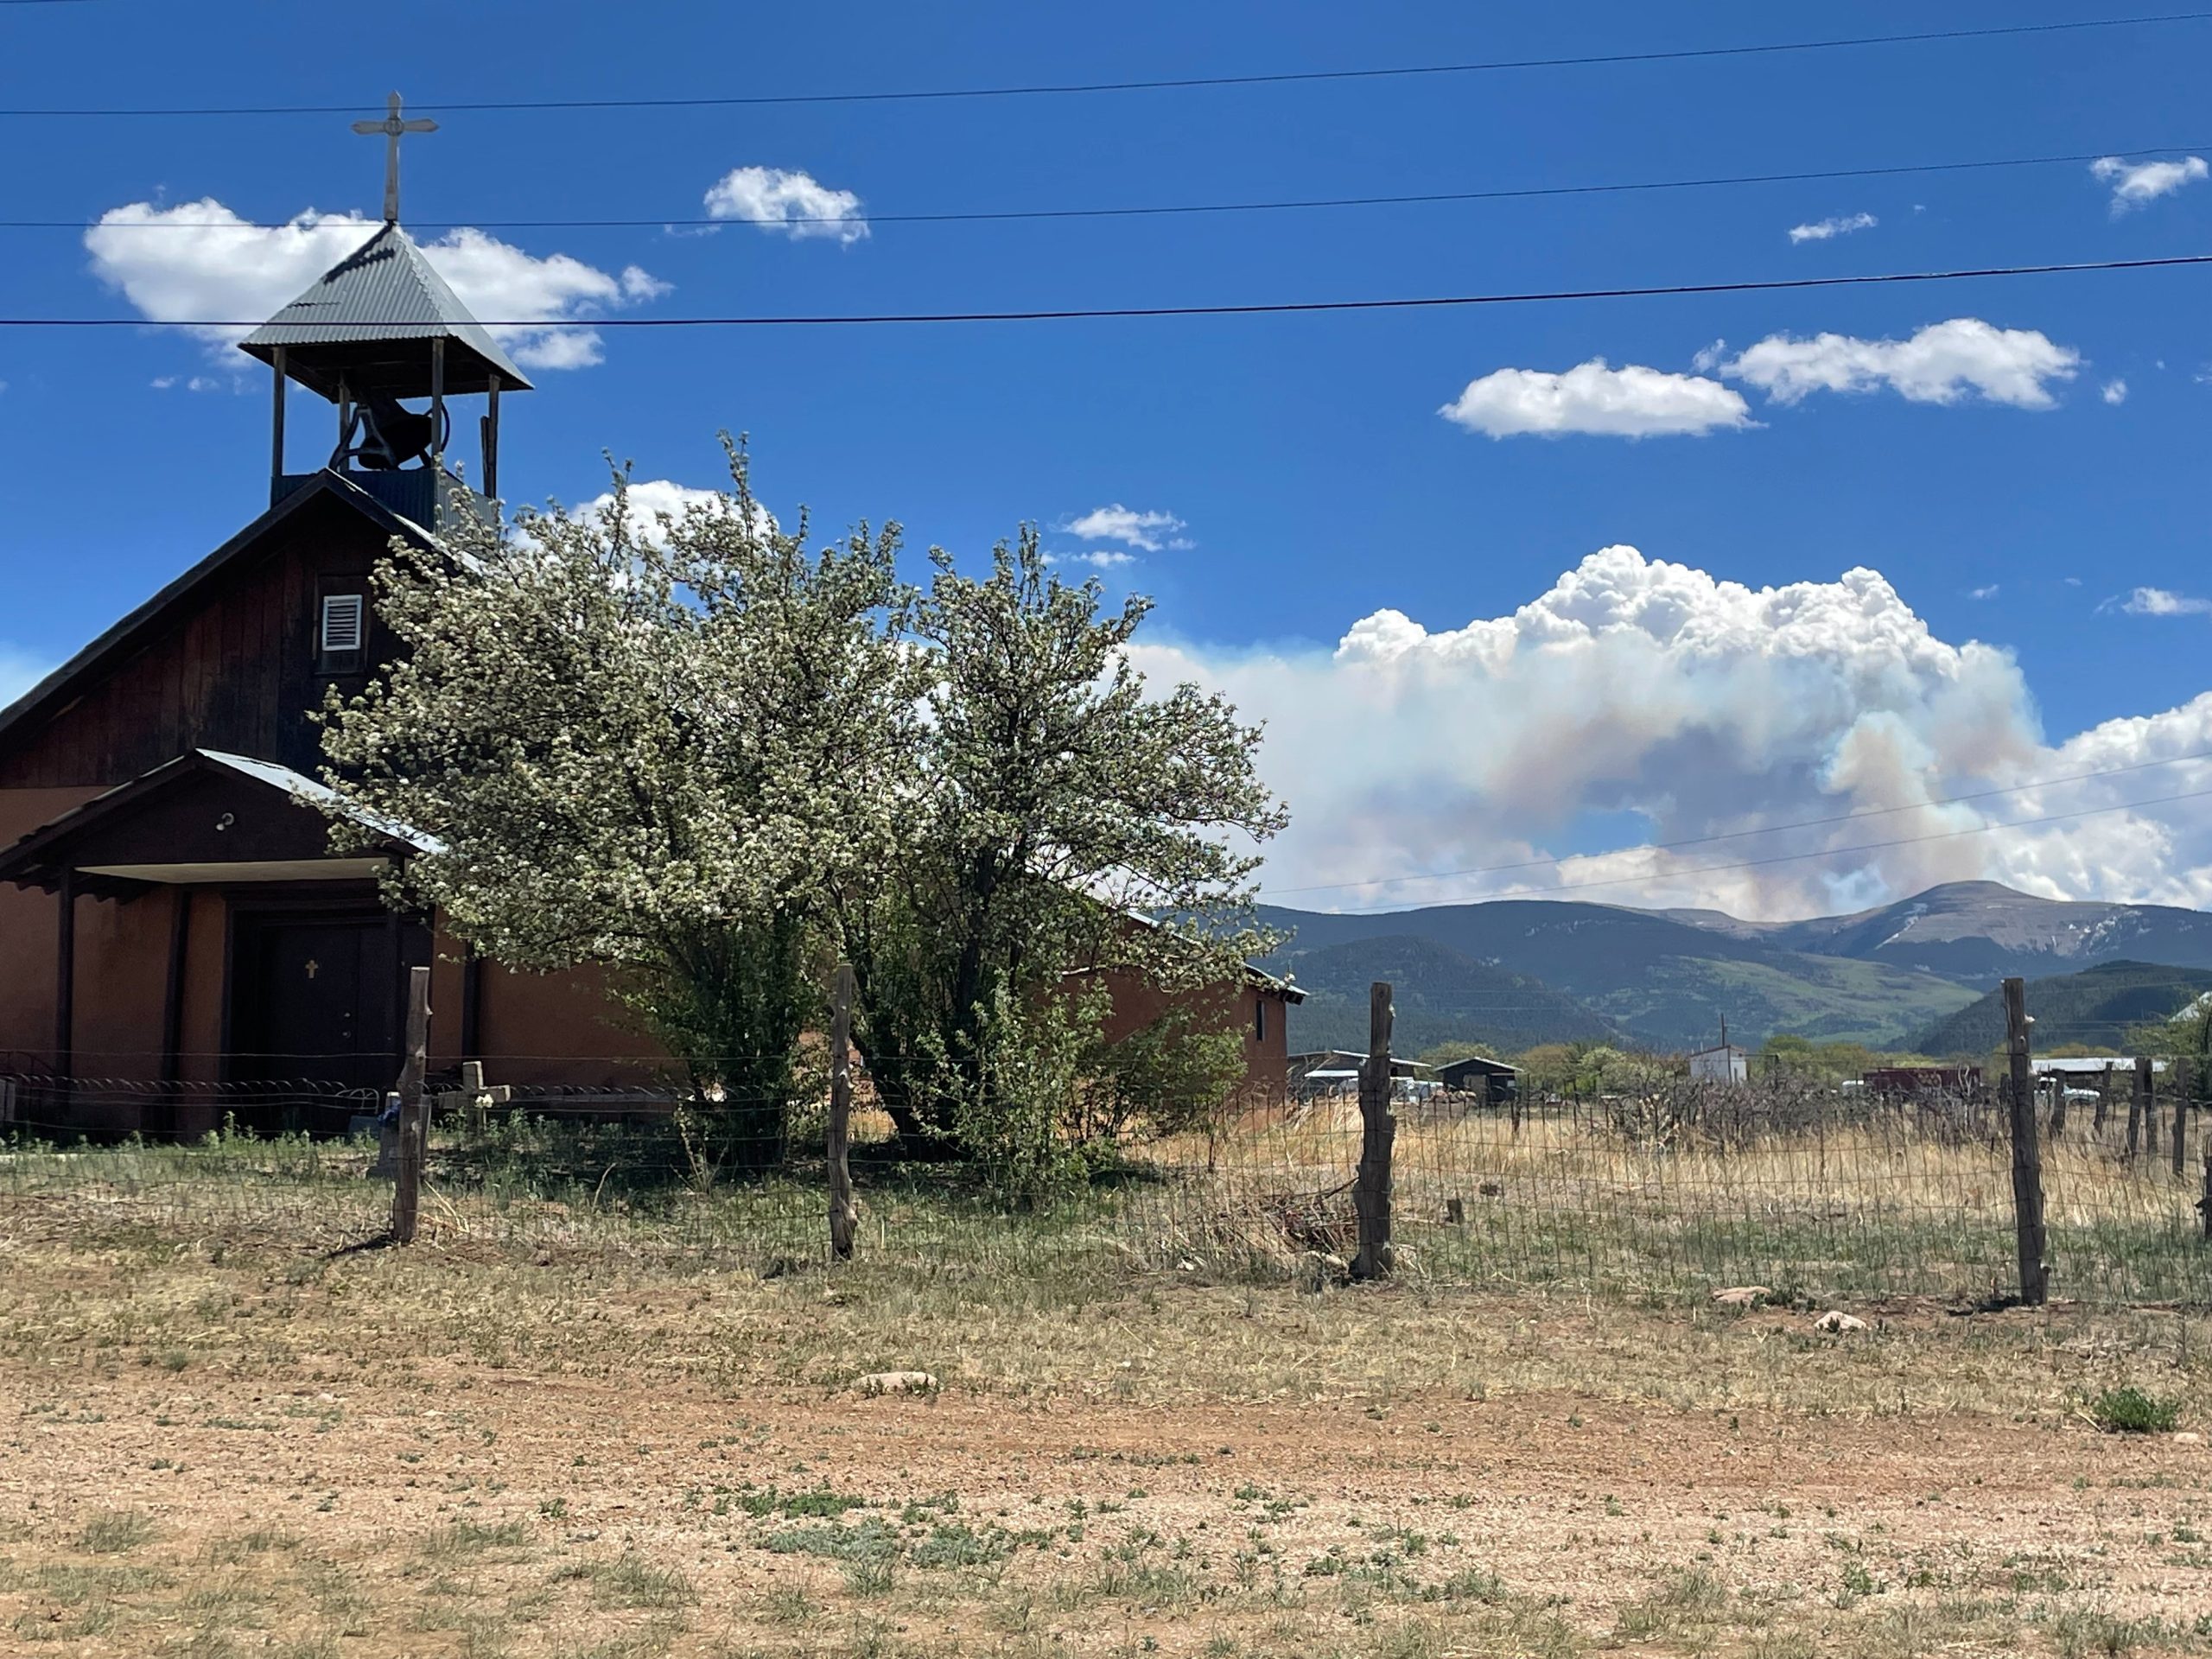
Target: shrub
{"points": [[2131, 1411]]}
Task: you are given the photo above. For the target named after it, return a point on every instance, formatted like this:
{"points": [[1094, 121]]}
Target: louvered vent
{"points": [[343, 615]]}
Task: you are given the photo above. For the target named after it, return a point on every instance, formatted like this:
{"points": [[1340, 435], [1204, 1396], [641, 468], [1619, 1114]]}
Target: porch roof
{"points": [[40, 858]]}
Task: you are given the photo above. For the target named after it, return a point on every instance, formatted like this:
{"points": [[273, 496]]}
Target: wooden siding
{"points": [[234, 669]]}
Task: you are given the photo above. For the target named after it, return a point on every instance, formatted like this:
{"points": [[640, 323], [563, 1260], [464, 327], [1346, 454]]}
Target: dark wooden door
{"points": [[313, 998]]}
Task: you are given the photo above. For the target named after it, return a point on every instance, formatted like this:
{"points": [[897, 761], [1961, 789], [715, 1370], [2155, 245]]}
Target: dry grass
{"points": [[1856, 1200], [1665, 1200], [231, 1430]]}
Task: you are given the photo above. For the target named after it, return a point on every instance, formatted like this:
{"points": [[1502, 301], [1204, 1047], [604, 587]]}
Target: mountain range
{"points": [[1512, 972], [2097, 1007]]}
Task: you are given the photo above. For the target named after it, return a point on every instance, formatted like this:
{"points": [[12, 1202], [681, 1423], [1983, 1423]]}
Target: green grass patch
{"points": [[2131, 1411]]}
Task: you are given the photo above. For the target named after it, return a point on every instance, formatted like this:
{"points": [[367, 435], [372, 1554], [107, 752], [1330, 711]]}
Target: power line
{"points": [[1767, 829], [1648, 876], [1172, 209], [1287, 307], [1183, 82]]}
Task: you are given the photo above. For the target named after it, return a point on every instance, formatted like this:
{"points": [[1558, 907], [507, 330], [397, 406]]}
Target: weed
{"points": [[467, 1538], [834, 1543], [631, 1580], [1682, 1600], [961, 1546], [2130, 1411], [870, 1573], [115, 1532]]}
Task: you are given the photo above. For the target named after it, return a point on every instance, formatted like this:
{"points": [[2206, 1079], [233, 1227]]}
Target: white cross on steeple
{"points": [[392, 127]]}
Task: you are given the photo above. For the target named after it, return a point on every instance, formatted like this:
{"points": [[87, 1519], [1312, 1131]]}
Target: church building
{"points": [[175, 930], [170, 912]]}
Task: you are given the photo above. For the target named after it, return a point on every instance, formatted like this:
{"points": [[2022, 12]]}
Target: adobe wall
{"points": [[562, 1029], [1137, 1002], [27, 935]]}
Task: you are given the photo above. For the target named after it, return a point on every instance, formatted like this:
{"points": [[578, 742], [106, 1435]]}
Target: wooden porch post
{"points": [[65, 979], [471, 1004], [172, 1003]]}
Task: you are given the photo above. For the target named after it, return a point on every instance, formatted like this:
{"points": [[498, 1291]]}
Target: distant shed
{"points": [[1725, 1064], [1494, 1080]]}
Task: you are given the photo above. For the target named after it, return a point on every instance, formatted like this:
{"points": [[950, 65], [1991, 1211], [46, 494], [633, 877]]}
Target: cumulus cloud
{"points": [[1942, 363], [1631, 402], [1151, 530], [653, 500], [791, 204], [1825, 229], [198, 261], [1103, 558], [2134, 183], [1706, 707], [2115, 391], [2159, 602], [1989, 592]]}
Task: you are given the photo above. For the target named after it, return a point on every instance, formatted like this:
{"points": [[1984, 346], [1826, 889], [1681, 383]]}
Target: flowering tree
{"points": [[687, 749], [1062, 819], [652, 741]]}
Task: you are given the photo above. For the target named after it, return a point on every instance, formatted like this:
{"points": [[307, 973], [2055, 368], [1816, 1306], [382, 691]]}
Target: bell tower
{"points": [[378, 329]]}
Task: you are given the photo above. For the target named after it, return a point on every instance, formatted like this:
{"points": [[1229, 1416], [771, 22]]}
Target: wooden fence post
{"points": [[413, 1115], [2182, 1082], [2104, 1104], [2027, 1157], [2138, 1104], [1371, 1190], [474, 1100], [844, 1212]]}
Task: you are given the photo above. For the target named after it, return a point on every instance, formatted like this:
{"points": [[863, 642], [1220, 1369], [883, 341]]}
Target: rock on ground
{"points": [[1742, 1295], [897, 1382]]}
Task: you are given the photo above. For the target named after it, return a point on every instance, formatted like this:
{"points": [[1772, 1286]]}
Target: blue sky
{"points": [[1304, 458]]}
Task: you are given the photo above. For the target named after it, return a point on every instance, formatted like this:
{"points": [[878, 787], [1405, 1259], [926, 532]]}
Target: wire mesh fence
{"points": [[1803, 1188]]}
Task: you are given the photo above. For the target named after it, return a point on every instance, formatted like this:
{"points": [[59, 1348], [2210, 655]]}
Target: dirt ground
{"points": [[218, 1445]]}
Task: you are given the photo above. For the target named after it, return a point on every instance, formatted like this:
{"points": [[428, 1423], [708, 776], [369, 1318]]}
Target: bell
{"points": [[391, 434]]}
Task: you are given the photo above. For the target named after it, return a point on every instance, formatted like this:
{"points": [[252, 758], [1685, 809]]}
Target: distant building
{"points": [[1725, 1064], [1320, 1073], [1911, 1081], [1494, 1080], [2090, 1065]]}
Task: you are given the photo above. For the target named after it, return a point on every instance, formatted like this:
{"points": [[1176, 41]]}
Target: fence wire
{"points": [[1804, 1189]]}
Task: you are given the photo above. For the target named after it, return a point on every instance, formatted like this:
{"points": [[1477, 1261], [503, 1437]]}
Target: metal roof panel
{"points": [[385, 289]]}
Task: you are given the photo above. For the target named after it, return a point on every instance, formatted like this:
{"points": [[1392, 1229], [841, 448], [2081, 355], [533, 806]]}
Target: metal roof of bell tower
{"points": [[367, 323]]}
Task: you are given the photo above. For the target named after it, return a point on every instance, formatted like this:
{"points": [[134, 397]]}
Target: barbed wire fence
{"points": [[1794, 1187]]}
